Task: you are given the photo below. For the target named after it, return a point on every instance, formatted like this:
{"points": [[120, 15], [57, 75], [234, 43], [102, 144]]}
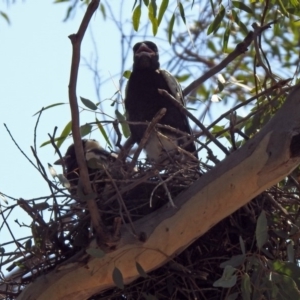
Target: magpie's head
{"points": [[145, 56], [92, 151]]}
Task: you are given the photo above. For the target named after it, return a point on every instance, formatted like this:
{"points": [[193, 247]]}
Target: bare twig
{"points": [[76, 40], [121, 203], [32, 212]]}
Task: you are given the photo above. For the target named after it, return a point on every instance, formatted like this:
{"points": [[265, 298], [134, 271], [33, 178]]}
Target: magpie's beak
{"points": [[62, 160], [144, 50]]}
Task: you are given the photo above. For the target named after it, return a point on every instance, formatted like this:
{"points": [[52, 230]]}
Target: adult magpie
{"points": [[143, 101]]}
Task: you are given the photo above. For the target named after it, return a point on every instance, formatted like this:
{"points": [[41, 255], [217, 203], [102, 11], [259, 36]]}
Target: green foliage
{"points": [[118, 278], [88, 103], [136, 16], [124, 124], [5, 17]]}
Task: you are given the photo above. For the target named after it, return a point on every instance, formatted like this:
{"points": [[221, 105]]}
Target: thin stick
{"points": [[76, 39]]}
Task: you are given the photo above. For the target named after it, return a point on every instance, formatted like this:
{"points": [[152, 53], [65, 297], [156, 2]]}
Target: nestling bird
{"points": [[143, 101], [95, 156]]}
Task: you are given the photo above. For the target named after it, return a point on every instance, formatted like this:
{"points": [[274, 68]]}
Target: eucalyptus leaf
{"points": [[118, 278]]}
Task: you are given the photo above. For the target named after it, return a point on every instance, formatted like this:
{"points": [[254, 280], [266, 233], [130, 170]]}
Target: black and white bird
{"points": [[96, 158], [143, 101]]}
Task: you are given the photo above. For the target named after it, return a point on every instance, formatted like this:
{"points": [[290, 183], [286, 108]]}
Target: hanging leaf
{"points": [[65, 133], [127, 74], [234, 261], [242, 6], [181, 78], [228, 278], [124, 124], [182, 14], [152, 18], [214, 26], [170, 29], [162, 10], [49, 142], [85, 129], [225, 43], [5, 16], [103, 132], [88, 103], [102, 9], [136, 16], [154, 7], [134, 4], [261, 231], [237, 20], [140, 270], [246, 287], [52, 105], [118, 278]]}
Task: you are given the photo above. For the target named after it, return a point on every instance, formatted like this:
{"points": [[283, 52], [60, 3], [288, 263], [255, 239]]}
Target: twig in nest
{"points": [[145, 138], [163, 183], [138, 181], [76, 39], [122, 155], [52, 140], [194, 119], [122, 204]]}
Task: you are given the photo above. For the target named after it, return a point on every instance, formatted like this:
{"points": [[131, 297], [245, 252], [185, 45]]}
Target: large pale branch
{"points": [[261, 162]]}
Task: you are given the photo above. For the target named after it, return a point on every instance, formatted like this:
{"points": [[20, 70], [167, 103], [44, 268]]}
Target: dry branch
{"points": [[261, 162], [76, 40]]}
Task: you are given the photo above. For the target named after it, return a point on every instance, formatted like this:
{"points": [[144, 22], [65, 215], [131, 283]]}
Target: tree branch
{"points": [[76, 40], [239, 49]]}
